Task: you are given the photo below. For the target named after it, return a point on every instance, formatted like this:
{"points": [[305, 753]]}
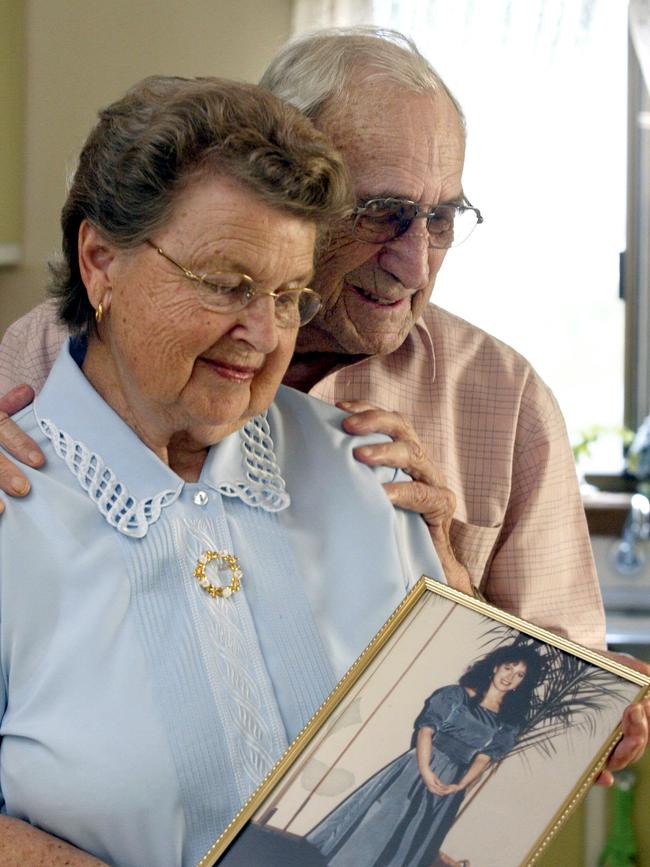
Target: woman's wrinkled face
{"points": [[178, 367], [508, 676]]}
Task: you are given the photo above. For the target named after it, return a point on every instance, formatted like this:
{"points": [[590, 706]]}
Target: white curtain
{"points": [[543, 86], [310, 14]]}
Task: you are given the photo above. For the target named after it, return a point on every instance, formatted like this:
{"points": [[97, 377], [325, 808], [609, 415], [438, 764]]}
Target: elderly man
{"points": [[472, 423]]}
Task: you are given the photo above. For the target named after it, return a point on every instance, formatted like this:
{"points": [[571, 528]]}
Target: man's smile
{"points": [[376, 300]]}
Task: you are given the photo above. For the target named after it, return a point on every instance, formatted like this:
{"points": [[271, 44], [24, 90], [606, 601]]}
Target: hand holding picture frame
{"points": [[461, 736]]}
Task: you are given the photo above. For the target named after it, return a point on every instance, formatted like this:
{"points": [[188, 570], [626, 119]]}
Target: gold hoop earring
{"points": [[99, 313]]}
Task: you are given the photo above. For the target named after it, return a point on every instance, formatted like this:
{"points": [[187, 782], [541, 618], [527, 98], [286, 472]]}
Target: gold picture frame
{"points": [[349, 790]]}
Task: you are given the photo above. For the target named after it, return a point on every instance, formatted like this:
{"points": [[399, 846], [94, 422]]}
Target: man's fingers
{"points": [[605, 778], [635, 725], [403, 454], [436, 505], [366, 418], [355, 405], [626, 753], [635, 736], [16, 399], [12, 479], [427, 494], [16, 441]]}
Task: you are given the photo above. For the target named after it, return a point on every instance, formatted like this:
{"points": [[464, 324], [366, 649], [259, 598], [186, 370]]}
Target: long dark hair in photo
{"points": [[516, 704]]}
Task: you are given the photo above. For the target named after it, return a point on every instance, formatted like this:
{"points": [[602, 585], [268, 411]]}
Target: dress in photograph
{"points": [[393, 820]]}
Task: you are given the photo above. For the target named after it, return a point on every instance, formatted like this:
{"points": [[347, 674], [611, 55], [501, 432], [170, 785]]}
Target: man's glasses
{"points": [[381, 220], [229, 292]]}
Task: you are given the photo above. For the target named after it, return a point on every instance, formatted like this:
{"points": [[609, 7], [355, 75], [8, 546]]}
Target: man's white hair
{"points": [[315, 68]]}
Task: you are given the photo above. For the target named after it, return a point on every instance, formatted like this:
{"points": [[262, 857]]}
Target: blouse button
{"points": [[200, 498]]}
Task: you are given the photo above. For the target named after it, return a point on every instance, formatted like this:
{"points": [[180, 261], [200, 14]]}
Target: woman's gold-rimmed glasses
{"points": [[229, 292]]}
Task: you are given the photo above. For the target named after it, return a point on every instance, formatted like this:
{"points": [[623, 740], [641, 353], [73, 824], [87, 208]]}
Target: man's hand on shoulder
{"points": [[427, 494], [16, 442], [636, 725]]}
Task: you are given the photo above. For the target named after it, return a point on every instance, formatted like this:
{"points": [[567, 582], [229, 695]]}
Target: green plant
{"points": [[589, 436]]}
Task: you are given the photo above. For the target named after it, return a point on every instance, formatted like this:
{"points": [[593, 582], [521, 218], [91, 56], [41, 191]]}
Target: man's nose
{"points": [[258, 325], [407, 256]]}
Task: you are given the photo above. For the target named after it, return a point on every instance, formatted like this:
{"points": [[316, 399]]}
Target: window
{"points": [[637, 256], [543, 85]]}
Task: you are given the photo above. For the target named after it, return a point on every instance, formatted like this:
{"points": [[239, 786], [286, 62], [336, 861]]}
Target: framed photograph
{"points": [[461, 736]]}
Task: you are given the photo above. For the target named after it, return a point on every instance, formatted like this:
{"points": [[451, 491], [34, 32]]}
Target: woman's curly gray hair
{"points": [[167, 131]]}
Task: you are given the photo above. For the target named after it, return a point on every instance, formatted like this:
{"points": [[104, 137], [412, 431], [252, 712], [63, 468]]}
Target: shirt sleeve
{"points": [[29, 348], [542, 568], [438, 707]]}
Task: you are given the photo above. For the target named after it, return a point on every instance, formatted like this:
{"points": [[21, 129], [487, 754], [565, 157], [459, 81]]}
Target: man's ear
{"points": [[95, 258]]}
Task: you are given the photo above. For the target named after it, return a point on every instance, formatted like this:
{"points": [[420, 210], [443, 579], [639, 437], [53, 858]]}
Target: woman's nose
{"points": [[258, 325]]}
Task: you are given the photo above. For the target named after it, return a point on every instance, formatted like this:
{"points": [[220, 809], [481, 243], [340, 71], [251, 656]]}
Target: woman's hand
{"points": [[22, 844], [427, 494], [435, 785], [12, 438], [475, 770], [451, 789], [423, 749]]}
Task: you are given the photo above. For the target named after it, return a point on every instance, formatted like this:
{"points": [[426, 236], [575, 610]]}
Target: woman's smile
{"points": [[508, 676], [232, 372]]}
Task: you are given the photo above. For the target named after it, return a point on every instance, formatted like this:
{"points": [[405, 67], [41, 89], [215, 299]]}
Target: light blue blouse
{"points": [[137, 712]]}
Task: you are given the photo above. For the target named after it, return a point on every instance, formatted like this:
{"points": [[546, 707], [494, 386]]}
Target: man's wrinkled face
{"points": [[398, 144]]}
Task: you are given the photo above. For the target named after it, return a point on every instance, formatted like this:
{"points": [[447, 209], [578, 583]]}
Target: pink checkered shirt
{"points": [[493, 427]]}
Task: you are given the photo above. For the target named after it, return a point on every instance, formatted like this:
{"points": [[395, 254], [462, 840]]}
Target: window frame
{"points": [[635, 277]]}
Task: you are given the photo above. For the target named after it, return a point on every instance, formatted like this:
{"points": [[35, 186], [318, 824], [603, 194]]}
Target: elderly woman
{"points": [[201, 558]]}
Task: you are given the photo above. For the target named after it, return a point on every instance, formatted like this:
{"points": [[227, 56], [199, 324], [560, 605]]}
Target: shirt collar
{"points": [[421, 333], [418, 335], [103, 452], [72, 404]]}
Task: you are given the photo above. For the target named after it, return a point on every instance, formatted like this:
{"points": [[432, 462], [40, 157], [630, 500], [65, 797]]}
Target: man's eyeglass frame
{"points": [[420, 213]]}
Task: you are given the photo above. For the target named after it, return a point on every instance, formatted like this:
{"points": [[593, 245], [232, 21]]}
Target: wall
{"points": [[82, 54], [11, 129]]}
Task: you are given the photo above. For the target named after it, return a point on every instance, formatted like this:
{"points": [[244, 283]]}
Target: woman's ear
{"points": [[95, 258]]}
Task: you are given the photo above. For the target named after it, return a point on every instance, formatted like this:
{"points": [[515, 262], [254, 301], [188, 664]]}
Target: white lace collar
{"points": [[127, 482], [262, 485]]}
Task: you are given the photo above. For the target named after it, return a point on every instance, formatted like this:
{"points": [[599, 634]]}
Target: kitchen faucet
{"points": [[628, 556]]}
